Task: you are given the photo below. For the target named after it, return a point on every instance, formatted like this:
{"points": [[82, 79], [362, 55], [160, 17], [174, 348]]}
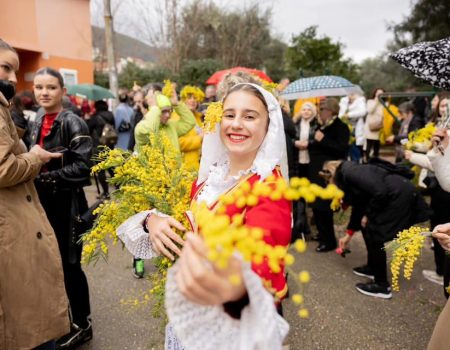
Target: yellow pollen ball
{"points": [[297, 299], [304, 276], [300, 245], [289, 259], [303, 313]]}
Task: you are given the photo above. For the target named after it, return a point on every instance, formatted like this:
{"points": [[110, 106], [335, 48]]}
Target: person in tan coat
{"points": [[33, 301]]}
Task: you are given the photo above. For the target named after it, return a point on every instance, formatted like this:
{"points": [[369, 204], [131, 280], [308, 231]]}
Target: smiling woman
{"points": [[243, 129], [247, 147]]}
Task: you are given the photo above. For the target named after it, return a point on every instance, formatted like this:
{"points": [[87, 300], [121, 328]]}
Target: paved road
{"points": [[340, 317]]}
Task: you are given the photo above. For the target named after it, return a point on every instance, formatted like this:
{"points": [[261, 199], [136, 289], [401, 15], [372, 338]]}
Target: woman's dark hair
{"points": [[152, 86], [53, 73], [247, 88], [331, 104], [5, 46], [374, 91], [100, 106]]}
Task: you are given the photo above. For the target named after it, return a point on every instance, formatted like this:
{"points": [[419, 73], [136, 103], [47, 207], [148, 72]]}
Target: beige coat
{"points": [[374, 115], [440, 340], [33, 301]]}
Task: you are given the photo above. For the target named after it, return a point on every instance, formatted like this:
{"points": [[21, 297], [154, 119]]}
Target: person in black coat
{"points": [[96, 123], [140, 108], [289, 131], [305, 128], [387, 202], [60, 189], [331, 141]]}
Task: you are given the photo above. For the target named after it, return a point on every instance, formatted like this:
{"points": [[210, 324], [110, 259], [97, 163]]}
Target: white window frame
{"points": [[69, 72]]}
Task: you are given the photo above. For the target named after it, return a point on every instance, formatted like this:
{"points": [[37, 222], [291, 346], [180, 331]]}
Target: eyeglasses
{"points": [[324, 109]]}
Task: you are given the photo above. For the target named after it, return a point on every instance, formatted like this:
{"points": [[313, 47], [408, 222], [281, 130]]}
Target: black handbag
{"points": [[124, 126]]}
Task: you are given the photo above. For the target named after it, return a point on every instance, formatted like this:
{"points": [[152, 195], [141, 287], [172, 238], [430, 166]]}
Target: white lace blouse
{"points": [[192, 326]]}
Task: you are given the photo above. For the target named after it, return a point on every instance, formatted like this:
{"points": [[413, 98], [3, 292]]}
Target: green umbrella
{"points": [[90, 91]]}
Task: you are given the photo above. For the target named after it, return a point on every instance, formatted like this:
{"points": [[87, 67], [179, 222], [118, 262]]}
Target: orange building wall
{"points": [[65, 28], [30, 62], [18, 24], [54, 33]]}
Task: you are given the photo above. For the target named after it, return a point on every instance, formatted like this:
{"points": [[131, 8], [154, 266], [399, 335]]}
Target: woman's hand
{"points": [[390, 139], [43, 155], [174, 98], [407, 154], [150, 98], [344, 241], [364, 221], [302, 145], [163, 236], [442, 234], [200, 281], [440, 139], [319, 135]]}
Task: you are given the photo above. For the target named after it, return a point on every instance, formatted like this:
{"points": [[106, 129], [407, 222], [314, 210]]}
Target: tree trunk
{"points": [[109, 42]]}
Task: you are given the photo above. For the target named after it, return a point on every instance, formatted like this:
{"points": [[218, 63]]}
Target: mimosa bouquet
{"points": [[420, 140], [157, 179]]}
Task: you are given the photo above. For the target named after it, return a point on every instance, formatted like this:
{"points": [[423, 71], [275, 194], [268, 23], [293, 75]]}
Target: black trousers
{"points": [[372, 145], [57, 206], [325, 226], [376, 258], [77, 291]]}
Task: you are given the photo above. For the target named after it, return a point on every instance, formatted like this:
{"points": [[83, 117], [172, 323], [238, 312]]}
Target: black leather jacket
{"points": [[71, 132]]}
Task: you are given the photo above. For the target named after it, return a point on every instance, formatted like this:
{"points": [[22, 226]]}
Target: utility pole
{"points": [[109, 42]]}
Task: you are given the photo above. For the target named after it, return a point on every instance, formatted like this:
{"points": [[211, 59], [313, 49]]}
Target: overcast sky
{"points": [[361, 25]]}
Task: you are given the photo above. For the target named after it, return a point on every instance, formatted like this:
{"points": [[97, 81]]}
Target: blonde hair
{"points": [[232, 79], [309, 105]]}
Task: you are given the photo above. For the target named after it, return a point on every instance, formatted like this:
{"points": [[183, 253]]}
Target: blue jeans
{"points": [[355, 153], [50, 345]]}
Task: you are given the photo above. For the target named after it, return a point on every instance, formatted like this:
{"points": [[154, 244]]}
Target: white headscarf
{"points": [[271, 153]]}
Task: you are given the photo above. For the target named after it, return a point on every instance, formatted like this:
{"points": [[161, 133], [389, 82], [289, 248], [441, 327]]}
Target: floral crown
{"points": [[167, 90], [190, 90]]}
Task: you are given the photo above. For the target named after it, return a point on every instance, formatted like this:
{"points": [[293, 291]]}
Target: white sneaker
{"points": [[432, 276]]}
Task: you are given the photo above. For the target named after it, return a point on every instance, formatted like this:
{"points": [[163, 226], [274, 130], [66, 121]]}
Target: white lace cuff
{"points": [[209, 327], [136, 240]]}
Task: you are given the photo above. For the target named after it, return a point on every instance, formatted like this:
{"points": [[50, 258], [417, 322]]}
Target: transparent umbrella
{"points": [[324, 85]]}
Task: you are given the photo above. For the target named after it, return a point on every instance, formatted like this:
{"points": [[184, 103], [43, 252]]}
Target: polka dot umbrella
{"points": [[429, 60], [324, 85]]}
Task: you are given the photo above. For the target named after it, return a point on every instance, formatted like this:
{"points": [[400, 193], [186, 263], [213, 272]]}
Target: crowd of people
{"points": [[48, 144]]}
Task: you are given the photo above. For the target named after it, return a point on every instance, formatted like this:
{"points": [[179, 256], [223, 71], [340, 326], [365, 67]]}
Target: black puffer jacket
{"points": [[389, 200], [71, 132]]}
